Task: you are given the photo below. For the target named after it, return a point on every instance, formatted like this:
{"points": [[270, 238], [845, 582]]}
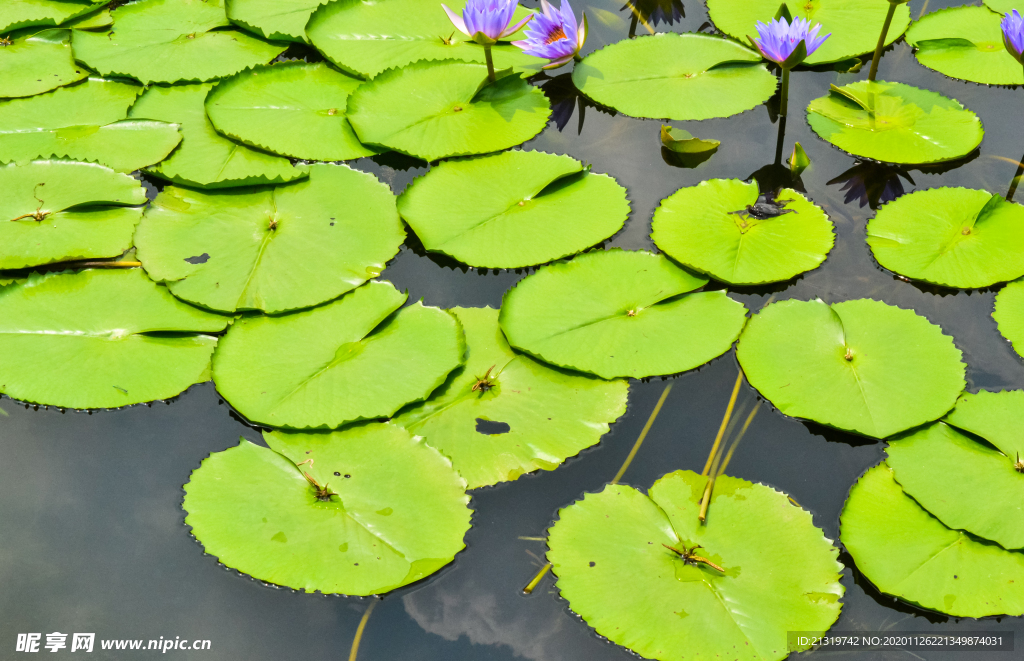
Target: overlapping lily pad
{"points": [[1009, 314], [16, 14], [274, 19], [895, 123], [1002, 6], [956, 237], [503, 414], [101, 339], [55, 211], [676, 76], [617, 313], [393, 511], [715, 228], [859, 365], [780, 572], [38, 62], [291, 108], [273, 249], [908, 553], [357, 358], [515, 209], [994, 416], [456, 112], [169, 41], [966, 43]]}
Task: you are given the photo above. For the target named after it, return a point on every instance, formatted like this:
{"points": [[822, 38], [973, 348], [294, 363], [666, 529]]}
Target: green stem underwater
{"points": [[881, 41], [1016, 180], [490, 63]]}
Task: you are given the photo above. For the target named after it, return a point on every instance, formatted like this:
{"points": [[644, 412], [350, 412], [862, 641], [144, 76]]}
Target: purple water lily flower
{"points": [[1013, 34], [487, 21], [554, 35], [778, 40]]}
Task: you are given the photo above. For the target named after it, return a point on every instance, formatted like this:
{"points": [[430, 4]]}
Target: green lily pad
{"points": [[396, 512], [101, 339], [1002, 6], [1009, 314], [965, 43], [861, 365], [282, 20], [676, 76], [682, 142], [895, 123], [84, 122], [780, 572], [357, 358], [908, 553], [16, 14], [37, 63], [539, 416], [620, 313], [271, 249], [65, 210], [994, 416], [366, 37], [853, 24], [97, 19], [456, 111], [956, 237], [706, 228], [290, 108], [170, 41], [205, 158], [514, 209]]}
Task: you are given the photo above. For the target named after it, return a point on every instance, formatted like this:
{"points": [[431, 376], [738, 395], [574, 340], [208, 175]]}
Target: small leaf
{"points": [[682, 142], [784, 13]]}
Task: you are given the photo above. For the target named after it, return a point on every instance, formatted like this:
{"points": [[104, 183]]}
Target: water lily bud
{"points": [[1013, 34]]}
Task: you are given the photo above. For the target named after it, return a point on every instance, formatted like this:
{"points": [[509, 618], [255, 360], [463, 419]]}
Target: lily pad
{"points": [[676, 76], [994, 416], [35, 63], [395, 511], [956, 237], [715, 228], [170, 41], [282, 20], [16, 14], [908, 553], [514, 209], [271, 249], [895, 123], [539, 416], [861, 365], [101, 339], [619, 313], [205, 158], [965, 43], [1009, 314], [290, 108], [1002, 6], [55, 211], [682, 142], [456, 112], [780, 572], [357, 358]]}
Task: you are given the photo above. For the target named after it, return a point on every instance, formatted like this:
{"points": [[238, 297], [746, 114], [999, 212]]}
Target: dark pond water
{"points": [[90, 504]]}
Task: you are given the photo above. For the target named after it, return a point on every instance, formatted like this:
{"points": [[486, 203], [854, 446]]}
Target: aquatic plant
{"points": [[1013, 34], [487, 21], [882, 38], [787, 44], [555, 35]]}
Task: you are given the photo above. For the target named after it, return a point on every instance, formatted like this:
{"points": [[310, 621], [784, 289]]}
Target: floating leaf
{"points": [[169, 41], [908, 553], [618, 313], [956, 237], [205, 158], [994, 416], [283, 20], [456, 112], [35, 63], [720, 227], [966, 43], [798, 160], [1009, 314], [271, 249], [514, 209], [94, 20], [1002, 6], [290, 108], [100, 339], [682, 142], [354, 359], [394, 511], [780, 572], [540, 416], [861, 365], [895, 123], [676, 76], [16, 14]]}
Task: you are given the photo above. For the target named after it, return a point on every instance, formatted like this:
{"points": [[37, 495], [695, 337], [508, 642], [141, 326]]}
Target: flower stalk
{"points": [[881, 39]]}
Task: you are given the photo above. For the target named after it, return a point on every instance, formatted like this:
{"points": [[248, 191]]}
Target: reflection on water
{"points": [[873, 184]]}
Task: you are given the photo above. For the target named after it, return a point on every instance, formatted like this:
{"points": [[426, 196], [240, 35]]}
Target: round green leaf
{"points": [[514, 209], [618, 313], [908, 553], [540, 416], [676, 76], [205, 158], [994, 416], [37, 63], [708, 228], [284, 20], [895, 123], [456, 111], [397, 511], [170, 41], [56, 211], [324, 367], [861, 365], [780, 572], [965, 43], [1009, 314], [16, 14], [956, 237], [271, 249], [100, 339], [290, 108]]}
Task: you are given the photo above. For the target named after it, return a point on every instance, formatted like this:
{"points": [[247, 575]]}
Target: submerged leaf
{"points": [[682, 142], [38, 62], [967, 43]]}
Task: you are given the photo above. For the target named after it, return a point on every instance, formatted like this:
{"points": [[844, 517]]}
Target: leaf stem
{"points": [[490, 63], [359, 631], [784, 101], [725, 422], [643, 435], [881, 41], [532, 585]]}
